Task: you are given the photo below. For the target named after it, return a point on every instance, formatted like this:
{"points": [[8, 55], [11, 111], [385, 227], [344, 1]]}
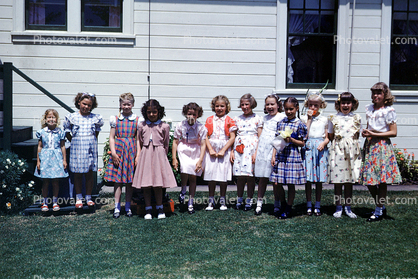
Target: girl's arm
{"points": [[210, 148], [331, 136], [174, 162], [202, 155], [259, 131], [393, 132], [273, 158], [228, 144], [138, 149], [38, 160], [64, 153], [115, 157], [322, 145], [68, 136], [308, 121], [97, 134], [300, 143]]}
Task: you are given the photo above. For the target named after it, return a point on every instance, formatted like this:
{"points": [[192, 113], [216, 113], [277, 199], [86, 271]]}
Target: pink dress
{"points": [[153, 168], [188, 149]]}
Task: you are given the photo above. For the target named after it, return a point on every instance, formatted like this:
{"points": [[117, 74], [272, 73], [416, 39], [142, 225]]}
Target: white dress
{"points": [[188, 149], [246, 139], [218, 168], [263, 166]]}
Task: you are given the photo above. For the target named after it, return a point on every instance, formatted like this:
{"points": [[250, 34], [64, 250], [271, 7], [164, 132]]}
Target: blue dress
{"points": [[51, 155]]}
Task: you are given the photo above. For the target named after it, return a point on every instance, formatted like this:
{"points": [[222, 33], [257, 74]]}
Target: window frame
{"points": [[331, 85], [101, 29], [45, 27]]}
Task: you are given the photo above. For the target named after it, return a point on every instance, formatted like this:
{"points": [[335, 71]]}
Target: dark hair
{"points": [[194, 107], [221, 98], [85, 95], [250, 98], [278, 102], [293, 101], [381, 86], [346, 97], [152, 103]]}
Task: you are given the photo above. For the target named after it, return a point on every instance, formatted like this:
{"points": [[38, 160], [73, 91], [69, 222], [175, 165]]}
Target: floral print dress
{"points": [[345, 153]]}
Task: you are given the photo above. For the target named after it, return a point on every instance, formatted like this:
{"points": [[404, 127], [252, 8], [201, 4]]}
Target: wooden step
{"points": [[20, 133]]}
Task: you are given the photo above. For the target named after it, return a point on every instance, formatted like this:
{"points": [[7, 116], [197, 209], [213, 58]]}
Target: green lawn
{"points": [[231, 244]]}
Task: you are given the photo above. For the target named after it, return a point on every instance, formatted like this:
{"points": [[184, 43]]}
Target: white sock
{"points": [[348, 208], [88, 197], [79, 196], [190, 203], [259, 203]]}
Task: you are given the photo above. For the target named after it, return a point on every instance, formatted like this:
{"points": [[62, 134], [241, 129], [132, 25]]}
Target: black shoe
{"points": [[247, 207], [258, 212], [384, 213], [129, 213], [191, 210], [375, 218], [238, 206], [116, 215], [287, 213], [181, 199]]}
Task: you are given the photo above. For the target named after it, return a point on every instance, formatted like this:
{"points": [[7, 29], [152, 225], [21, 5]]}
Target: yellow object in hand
{"points": [[286, 133]]}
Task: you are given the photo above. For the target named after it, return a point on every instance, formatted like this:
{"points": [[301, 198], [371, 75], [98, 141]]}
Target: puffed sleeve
{"points": [[61, 134], [391, 116], [203, 132], [67, 124], [112, 121], [259, 122], [177, 131], [330, 124], [98, 123], [233, 124], [302, 131], [39, 134]]}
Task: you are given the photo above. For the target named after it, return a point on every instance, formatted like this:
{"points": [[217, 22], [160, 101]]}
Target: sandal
{"points": [[44, 207], [56, 207], [309, 211], [317, 211], [79, 204], [90, 203]]}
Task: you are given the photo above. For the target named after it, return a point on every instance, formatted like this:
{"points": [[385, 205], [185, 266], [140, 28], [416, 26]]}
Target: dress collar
{"points": [[56, 130], [131, 117], [290, 120], [215, 117], [350, 114], [156, 122]]}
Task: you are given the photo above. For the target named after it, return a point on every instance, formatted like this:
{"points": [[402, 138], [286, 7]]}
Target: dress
{"points": [[246, 143], [51, 155], [289, 168], [125, 146], [188, 149], [379, 162], [316, 162], [83, 152], [218, 168], [263, 167], [153, 168], [344, 154]]}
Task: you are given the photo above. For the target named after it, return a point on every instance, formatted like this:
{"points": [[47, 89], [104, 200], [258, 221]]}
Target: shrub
{"points": [[408, 167], [15, 192]]}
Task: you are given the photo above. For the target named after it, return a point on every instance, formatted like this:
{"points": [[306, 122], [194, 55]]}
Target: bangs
{"points": [[346, 98]]}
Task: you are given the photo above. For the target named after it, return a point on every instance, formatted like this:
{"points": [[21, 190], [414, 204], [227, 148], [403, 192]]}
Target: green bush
{"points": [[15, 192], [408, 167]]}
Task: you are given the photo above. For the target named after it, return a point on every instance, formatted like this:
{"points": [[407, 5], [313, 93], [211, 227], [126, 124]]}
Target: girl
{"points": [[379, 165], [123, 146], [316, 151], [189, 142], [51, 157], [82, 129], [154, 171], [262, 168], [249, 128], [345, 161], [219, 140], [288, 165]]}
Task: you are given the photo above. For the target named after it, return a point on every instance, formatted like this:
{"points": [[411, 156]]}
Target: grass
{"points": [[231, 244]]}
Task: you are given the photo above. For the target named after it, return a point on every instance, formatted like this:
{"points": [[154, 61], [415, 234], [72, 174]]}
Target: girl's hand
{"points": [[321, 146], [273, 161], [288, 139], [38, 165], [212, 153], [175, 164], [116, 159], [253, 157], [198, 166], [221, 153], [310, 113], [367, 133], [64, 163], [232, 158], [136, 161]]}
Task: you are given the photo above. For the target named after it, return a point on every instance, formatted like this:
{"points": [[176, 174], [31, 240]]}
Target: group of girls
{"points": [[225, 146]]}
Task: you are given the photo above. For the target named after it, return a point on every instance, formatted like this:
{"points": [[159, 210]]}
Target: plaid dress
{"points": [[125, 133], [289, 168], [83, 152]]}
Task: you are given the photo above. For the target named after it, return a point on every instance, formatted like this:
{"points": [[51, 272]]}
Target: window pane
{"points": [[327, 4], [312, 4], [327, 23], [400, 5], [311, 22], [403, 68], [46, 14], [102, 14], [296, 4], [413, 5], [310, 59]]}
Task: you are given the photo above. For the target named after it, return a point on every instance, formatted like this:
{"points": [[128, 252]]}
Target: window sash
{"points": [[114, 22], [36, 15]]}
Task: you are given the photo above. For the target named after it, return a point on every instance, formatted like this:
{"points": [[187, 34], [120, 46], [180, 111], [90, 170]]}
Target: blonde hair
{"points": [[221, 98], [126, 97], [315, 96], [43, 119], [381, 86]]}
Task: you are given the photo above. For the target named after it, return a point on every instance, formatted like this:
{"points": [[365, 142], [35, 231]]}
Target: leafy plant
{"points": [[408, 167], [15, 191]]}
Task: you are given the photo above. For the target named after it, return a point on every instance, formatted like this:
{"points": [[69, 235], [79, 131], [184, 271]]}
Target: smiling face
{"points": [[191, 116], [378, 98], [290, 109], [85, 106], [246, 107], [314, 105], [271, 106], [51, 120], [220, 108], [346, 107], [126, 107], [152, 114]]}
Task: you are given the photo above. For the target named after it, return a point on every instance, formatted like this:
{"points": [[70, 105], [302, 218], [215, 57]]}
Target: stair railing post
{"points": [[7, 105]]}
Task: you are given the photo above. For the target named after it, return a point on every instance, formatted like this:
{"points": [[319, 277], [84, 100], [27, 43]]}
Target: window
{"points": [[311, 52], [101, 15], [46, 14], [404, 45]]}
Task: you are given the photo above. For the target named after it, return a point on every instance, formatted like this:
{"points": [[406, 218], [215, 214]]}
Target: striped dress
{"points": [[125, 146]]}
